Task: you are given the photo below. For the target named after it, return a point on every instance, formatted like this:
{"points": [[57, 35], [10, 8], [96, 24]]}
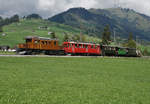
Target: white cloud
{"points": [[48, 8]]}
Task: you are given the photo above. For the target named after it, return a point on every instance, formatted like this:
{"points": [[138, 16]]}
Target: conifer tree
{"points": [[131, 43], [106, 36], [1, 29], [66, 37], [53, 35]]}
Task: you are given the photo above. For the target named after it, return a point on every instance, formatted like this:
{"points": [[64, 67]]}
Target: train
{"points": [[37, 45]]}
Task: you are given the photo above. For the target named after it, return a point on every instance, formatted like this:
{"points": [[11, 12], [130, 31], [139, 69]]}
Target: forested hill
{"points": [[93, 21]]}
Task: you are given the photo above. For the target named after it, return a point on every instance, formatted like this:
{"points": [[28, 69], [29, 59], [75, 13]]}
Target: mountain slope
{"points": [[93, 21], [16, 32]]}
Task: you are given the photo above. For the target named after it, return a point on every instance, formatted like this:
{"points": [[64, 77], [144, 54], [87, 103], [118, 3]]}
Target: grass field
{"points": [[46, 80], [7, 53]]}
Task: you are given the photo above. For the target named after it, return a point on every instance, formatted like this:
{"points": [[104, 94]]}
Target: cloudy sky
{"points": [[48, 8]]}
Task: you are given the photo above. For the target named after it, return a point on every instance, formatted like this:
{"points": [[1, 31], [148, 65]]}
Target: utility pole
{"points": [[114, 36], [116, 4], [136, 41]]}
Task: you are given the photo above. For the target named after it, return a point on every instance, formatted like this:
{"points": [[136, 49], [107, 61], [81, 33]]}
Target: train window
{"points": [[42, 42], [35, 41], [46, 42], [96, 47], [70, 45], [86, 46], [76, 45], [79, 45], [28, 40], [49, 42], [92, 46], [83, 46], [54, 42]]}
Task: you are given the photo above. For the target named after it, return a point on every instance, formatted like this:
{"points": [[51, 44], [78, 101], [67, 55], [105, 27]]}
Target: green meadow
{"points": [[15, 33], [67, 80]]}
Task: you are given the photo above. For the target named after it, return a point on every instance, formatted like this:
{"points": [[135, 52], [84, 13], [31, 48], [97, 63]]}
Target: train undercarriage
{"points": [[38, 52]]}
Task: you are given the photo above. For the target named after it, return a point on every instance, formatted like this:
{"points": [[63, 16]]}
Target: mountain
{"points": [[92, 21]]}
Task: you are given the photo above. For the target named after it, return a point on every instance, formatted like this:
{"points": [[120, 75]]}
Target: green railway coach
{"points": [[122, 52]]}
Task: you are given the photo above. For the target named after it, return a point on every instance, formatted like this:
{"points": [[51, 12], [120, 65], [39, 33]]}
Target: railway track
{"points": [[146, 57], [43, 56]]}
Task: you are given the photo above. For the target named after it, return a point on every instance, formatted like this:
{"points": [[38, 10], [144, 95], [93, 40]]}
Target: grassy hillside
{"points": [[16, 32], [29, 80]]}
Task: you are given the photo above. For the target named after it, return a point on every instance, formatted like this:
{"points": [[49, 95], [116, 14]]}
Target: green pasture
{"points": [[16, 32], [46, 80], [7, 53]]}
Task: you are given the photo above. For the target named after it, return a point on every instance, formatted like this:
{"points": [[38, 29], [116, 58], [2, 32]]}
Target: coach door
{"points": [[73, 48]]}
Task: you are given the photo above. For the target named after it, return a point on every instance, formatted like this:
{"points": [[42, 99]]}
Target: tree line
{"points": [[106, 35], [106, 38], [8, 21], [15, 18], [78, 37]]}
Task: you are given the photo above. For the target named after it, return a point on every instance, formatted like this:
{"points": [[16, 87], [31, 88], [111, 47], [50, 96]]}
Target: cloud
{"points": [[48, 8]]}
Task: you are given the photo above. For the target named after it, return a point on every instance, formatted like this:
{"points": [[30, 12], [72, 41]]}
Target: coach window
{"points": [[82, 46], [70, 45], [54, 42], [79, 45], [66, 45], [86, 46], [76, 45]]}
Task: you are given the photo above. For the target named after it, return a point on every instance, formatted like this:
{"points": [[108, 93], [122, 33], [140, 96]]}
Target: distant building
{"points": [[43, 27], [49, 33], [3, 34]]}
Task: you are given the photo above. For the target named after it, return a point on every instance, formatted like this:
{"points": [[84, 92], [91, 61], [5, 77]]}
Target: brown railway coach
{"points": [[38, 45]]}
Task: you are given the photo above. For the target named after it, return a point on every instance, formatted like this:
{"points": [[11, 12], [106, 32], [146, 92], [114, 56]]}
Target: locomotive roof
{"points": [[40, 38], [117, 46], [81, 43]]}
